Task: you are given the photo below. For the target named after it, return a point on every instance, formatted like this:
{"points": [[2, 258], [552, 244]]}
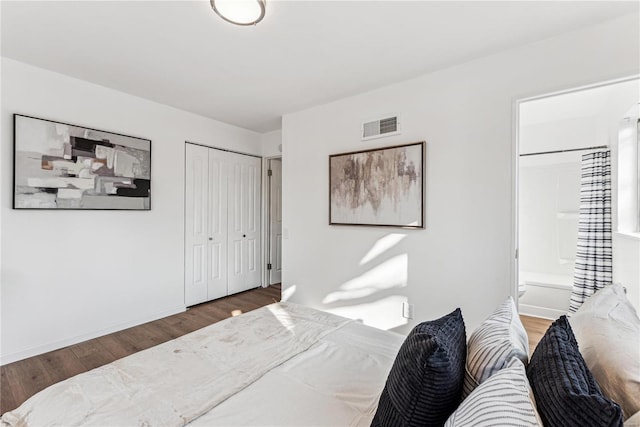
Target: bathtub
{"points": [[545, 295]]}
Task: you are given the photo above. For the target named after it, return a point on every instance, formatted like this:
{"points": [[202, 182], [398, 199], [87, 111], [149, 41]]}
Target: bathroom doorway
{"points": [[554, 133]]}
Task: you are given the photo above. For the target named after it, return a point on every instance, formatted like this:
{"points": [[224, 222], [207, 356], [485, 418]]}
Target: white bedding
{"points": [[283, 364], [337, 382]]}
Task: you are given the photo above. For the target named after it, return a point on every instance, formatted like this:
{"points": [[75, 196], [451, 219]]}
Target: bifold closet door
{"points": [[205, 224], [244, 223], [222, 223]]}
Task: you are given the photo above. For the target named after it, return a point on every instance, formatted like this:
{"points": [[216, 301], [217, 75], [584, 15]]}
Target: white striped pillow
{"points": [[505, 399], [493, 344]]}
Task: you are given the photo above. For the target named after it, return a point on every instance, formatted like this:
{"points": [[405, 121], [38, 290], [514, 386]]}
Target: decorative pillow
{"points": [[493, 344], [425, 383], [505, 396], [633, 421], [607, 329], [566, 393]]}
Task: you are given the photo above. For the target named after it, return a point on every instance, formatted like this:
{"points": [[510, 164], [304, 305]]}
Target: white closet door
{"points": [[217, 225], [196, 224], [253, 273], [244, 223], [275, 221]]}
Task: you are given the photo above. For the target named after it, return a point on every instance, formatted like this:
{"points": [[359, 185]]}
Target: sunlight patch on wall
{"points": [[390, 274], [382, 245], [288, 293], [385, 313]]}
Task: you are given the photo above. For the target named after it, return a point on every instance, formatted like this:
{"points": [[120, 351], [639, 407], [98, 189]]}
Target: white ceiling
{"points": [[304, 53]]}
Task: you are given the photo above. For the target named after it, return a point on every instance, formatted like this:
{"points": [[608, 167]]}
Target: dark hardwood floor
{"points": [[21, 380]]}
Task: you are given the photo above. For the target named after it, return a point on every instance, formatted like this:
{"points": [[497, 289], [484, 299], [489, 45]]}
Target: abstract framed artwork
{"points": [[379, 187], [63, 166]]}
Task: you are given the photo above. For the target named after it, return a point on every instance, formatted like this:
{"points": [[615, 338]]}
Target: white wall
{"points": [[626, 241], [271, 143], [626, 265], [577, 132], [72, 275], [466, 115]]}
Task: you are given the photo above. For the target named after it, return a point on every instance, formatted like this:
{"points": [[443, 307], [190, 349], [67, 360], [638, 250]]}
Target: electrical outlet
{"points": [[407, 310]]}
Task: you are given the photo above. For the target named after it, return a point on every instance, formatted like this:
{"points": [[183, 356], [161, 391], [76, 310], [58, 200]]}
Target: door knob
{"points": [[244, 235], [210, 238]]}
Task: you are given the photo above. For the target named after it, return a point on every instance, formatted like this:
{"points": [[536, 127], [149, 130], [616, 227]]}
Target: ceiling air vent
{"points": [[381, 127]]}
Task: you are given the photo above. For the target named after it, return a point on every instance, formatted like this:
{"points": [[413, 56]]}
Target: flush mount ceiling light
{"points": [[239, 12]]}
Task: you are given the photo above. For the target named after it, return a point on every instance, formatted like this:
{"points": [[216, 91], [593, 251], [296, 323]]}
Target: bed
{"points": [[283, 364], [290, 365]]}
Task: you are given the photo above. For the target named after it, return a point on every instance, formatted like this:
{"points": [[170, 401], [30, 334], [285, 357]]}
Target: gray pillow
{"points": [[504, 399], [607, 330], [493, 344]]}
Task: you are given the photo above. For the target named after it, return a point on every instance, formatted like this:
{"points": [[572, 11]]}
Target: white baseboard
{"points": [[19, 355], [544, 312]]}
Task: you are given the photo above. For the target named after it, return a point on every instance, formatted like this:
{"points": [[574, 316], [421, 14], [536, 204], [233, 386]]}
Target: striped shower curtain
{"points": [[593, 254]]}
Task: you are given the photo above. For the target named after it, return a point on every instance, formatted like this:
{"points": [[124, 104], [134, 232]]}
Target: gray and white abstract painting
{"points": [[62, 166], [378, 187]]}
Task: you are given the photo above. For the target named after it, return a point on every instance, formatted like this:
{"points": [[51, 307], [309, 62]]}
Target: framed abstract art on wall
{"points": [[63, 166], [379, 187]]}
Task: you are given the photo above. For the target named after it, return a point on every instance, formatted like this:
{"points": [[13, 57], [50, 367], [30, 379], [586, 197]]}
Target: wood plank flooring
{"points": [[536, 327], [21, 380]]}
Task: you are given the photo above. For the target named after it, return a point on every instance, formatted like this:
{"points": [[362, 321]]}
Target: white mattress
{"points": [[280, 365]]}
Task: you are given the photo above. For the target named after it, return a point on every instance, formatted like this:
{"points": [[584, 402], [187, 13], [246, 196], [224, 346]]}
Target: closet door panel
{"points": [[217, 224], [244, 239], [253, 273], [236, 235], [196, 225]]}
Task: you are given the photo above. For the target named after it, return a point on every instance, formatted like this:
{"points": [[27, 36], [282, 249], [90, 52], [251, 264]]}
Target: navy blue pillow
{"points": [[566, 393], [425, 383]]}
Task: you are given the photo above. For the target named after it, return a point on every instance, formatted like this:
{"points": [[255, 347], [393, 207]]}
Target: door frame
{"points": [[266, 195], [515, 168]]}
